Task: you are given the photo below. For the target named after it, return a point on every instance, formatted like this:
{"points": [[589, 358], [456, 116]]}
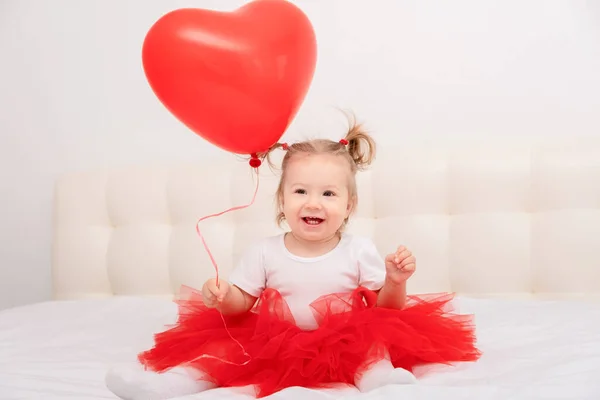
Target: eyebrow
{"points": [[325, 187]]}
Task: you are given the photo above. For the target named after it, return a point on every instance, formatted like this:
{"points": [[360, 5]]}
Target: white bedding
{"points": [[532, 350]]}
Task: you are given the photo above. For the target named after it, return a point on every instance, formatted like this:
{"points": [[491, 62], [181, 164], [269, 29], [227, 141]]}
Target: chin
{"points": [[316, 236]]}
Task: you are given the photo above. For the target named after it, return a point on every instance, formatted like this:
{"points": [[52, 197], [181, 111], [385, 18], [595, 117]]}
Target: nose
{"points": [[313, 202]]}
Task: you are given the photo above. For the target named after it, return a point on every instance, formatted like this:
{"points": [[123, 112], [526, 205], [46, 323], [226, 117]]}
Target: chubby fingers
{"points": [[402, 253], [409, 264], [214, 293]]}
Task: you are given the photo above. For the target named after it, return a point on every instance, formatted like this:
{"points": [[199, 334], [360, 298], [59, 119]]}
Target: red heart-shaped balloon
{"points": [[235, 78]]}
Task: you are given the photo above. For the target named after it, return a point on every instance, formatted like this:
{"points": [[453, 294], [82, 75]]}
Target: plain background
{"points": [[73, 95]]}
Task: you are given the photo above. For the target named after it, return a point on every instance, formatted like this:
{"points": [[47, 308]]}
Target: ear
{"points": [[350, 207]]}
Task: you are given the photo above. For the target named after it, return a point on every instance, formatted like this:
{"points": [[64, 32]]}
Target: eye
{"points": [[328, 193], [300, 191]]}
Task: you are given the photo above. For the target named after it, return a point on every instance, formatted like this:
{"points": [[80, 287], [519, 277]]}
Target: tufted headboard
{"points": [[483, 219]]}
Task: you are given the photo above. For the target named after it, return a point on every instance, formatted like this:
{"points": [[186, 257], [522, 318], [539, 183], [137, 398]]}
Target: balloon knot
{"points": [[254, 161]]}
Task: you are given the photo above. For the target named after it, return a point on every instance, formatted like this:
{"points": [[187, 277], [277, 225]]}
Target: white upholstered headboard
{"points": [[483, 219]]}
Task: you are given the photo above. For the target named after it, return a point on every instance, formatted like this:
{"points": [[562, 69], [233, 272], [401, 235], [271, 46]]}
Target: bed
{"points": [[512, 227]]}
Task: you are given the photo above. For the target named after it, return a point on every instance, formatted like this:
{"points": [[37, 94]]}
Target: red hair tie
{"points": [[344, 142], [255, 161], [284, 146]]}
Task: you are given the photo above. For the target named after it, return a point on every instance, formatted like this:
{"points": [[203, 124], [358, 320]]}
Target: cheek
{"points": [[338, 207], [290, 203]]}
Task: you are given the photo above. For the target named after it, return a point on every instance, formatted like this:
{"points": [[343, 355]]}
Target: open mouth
{"points": [[312, 220]]}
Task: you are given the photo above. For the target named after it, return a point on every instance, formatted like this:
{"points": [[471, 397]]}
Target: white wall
{"points": [[73, 94]]}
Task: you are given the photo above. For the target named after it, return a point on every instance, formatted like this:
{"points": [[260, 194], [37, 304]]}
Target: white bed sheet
{"points": [[532, 350]]}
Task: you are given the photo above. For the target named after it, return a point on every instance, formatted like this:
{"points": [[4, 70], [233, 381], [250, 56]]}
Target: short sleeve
{"points": [[249, 273], [371, 265]]}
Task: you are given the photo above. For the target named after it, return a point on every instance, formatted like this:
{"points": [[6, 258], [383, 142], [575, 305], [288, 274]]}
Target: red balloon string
{"points": [[212, 259]]}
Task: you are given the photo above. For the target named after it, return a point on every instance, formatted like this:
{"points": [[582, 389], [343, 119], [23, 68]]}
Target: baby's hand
{"points": [[400, 265], [213, 295]]}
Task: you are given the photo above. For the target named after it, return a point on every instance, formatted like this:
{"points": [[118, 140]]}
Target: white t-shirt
{"points": [[354, 262]]}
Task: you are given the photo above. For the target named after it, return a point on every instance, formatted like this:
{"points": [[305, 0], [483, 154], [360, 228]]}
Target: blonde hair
{"points": [[358, 150]]}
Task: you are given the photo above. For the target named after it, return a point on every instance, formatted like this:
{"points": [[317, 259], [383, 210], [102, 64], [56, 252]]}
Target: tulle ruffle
{"points": [[266, 349]]}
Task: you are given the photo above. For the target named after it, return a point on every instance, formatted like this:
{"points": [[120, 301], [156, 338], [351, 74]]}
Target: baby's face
{"points": [[315, 195]]}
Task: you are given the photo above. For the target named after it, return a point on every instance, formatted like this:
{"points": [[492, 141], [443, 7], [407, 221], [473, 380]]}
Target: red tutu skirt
{"points": [[265, 348]]}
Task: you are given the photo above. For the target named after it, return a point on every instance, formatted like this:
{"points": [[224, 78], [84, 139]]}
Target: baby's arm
{"points": [[387, 277], [392, 295], [228, 299], [399, 267], [236, 301]]}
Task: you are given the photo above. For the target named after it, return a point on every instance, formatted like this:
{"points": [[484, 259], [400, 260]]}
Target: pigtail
{"points": [[266, 155], [361, 145]]}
